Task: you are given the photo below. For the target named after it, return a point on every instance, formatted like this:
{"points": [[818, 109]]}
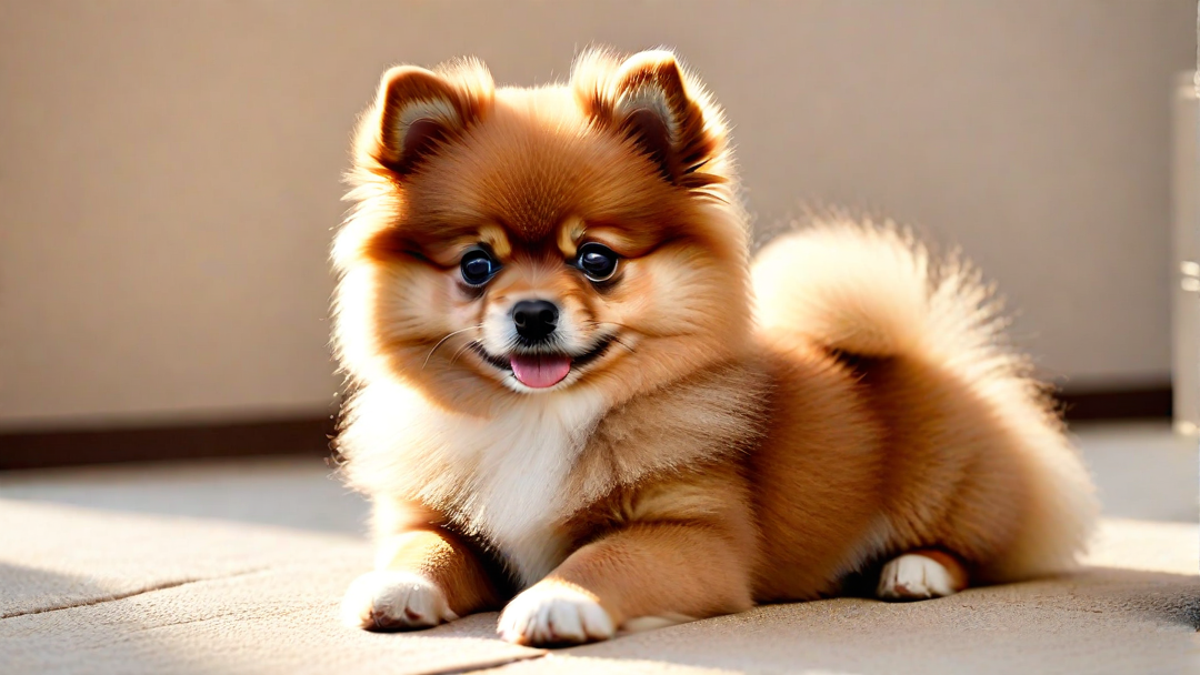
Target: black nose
{"points": [[535, 319]]}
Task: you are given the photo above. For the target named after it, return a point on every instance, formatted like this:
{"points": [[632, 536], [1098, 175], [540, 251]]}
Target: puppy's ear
{"points": [[649, 99], [417, 111]]}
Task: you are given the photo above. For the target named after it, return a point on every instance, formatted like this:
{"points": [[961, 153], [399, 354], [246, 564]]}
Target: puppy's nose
{"points": [[535, 319]]}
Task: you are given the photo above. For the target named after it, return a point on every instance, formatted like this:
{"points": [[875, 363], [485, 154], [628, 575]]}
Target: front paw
{"points": [[393, 600], [554, 613]]}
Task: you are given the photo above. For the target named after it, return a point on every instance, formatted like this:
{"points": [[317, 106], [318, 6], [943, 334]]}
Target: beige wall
{"points": [[169, 170]]}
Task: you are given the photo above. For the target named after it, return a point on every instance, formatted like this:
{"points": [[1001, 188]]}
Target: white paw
{"points": [[390, 600], [554, 614], [913, 576]]}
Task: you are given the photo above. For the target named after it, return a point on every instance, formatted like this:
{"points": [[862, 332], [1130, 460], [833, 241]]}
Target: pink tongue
{"points": [[540, 371]]}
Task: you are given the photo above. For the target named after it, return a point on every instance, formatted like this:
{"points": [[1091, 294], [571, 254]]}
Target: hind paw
{"points": [[921, 575]]}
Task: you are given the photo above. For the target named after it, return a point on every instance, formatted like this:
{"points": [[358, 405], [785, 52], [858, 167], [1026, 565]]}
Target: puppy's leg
{"points": [[422, 578], [646, 575], [921, 574]]}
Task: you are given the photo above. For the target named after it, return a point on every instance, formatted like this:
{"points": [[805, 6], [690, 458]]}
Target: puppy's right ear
{"points": [[417, 111]]}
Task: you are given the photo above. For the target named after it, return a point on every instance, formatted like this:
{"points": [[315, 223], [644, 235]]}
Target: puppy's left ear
{"points": [[649, 99]]}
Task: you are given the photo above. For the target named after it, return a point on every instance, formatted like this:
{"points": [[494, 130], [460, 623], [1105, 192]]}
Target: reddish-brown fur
{"points": [[723, 451]]}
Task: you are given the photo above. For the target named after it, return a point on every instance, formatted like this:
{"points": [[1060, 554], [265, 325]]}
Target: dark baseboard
{"points": [[310, 435], [1117, 404], [44, 449]]}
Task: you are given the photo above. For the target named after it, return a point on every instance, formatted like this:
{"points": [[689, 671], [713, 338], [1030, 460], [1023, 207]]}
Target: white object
{"points": [[1185, 314]]}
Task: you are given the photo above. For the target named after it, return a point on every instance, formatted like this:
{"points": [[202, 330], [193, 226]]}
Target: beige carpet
{"points": [[88, 585]]}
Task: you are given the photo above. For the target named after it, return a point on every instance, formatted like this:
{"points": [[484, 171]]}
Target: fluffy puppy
{"points": [[576, 400]]}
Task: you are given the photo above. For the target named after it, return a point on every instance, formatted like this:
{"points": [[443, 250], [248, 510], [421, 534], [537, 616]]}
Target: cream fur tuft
{"points": [[873, 290]]}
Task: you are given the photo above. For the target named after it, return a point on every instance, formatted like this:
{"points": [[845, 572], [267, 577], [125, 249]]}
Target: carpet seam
{"points": [[486, 665], [131, 594]]}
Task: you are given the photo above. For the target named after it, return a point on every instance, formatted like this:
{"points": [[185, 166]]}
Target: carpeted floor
{"points": [[237, 567]]}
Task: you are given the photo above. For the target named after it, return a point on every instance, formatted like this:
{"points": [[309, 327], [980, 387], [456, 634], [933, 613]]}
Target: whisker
{"points": [[614, 338], [618, 341], [443, 340], [610, 323], [652, 335], [458, 352]]}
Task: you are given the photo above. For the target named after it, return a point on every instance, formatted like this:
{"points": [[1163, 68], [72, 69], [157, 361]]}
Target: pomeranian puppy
{"points": [[576, 398]]}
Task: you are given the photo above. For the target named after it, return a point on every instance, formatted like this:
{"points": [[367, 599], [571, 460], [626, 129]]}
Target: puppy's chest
{"points": [[515, 492]]}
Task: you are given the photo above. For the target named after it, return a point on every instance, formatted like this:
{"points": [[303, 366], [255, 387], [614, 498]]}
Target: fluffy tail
{"points": [[872, 290]]}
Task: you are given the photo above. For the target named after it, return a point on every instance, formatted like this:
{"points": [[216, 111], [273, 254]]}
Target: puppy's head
{"points": [[523, 242]]}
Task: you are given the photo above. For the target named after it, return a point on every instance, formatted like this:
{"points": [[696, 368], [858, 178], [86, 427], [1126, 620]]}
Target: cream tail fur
{"points": [[871, 290]]}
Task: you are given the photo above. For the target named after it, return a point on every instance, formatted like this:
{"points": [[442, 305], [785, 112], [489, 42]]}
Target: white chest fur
{"points": [[507, 474], [520, 480]]}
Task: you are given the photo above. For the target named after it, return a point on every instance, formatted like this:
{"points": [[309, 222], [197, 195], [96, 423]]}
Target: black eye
{"points": [[596, 261], [478, 267]]}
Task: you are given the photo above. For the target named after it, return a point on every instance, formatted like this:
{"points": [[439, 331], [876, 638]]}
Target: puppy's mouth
{"points": [[542, 370]]}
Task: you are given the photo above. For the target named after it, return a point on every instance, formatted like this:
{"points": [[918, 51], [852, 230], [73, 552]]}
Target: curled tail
{"points": [[872, 290]]}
